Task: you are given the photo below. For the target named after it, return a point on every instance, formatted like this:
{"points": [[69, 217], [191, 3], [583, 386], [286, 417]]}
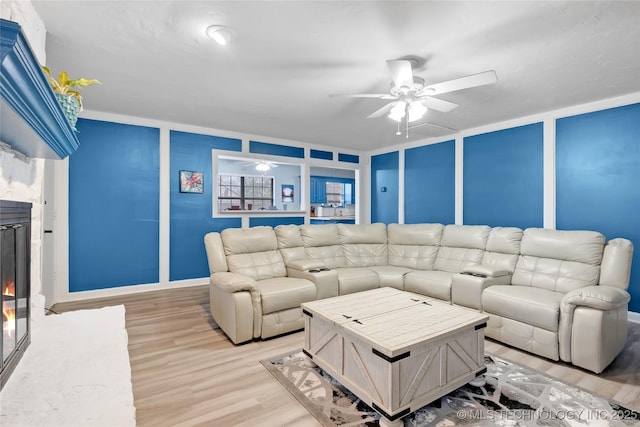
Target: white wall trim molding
{"points": [[633, 316], [244, 137], [556, 114], [363, 205], [131, 289], [549, 174], [459, 181], [401, 154], [165, 206], [61, 230]]}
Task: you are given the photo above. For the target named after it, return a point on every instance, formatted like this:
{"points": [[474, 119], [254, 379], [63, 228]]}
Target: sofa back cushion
{"points": [[322, 242], [559, 260], [290, 243], [461, 246], [503, 248], [364, 245], [414, 245], [253, 252]]}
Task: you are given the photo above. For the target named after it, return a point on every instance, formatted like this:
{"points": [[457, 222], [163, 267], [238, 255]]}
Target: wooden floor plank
{"points": [[186, 372]]}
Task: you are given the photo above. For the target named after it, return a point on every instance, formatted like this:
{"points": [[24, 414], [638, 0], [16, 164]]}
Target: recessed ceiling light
{"points": [[220, 34]]}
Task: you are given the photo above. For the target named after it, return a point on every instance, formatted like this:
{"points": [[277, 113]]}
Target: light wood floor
{"points": [[186, 372]]}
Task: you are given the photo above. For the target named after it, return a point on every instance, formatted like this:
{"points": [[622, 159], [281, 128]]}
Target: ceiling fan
{"points": [[263, 165], [411, 98]]}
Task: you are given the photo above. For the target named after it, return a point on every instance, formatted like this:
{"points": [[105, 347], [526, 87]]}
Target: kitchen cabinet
{"points": [[318, 193]]}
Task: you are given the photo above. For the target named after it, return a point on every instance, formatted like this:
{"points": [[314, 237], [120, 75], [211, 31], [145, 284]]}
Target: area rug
{"points": [[75, 372], [512, 396]]}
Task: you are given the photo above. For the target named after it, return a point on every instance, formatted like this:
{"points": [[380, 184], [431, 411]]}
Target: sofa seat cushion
{"points": [[436, 284], [534, 306], [356, 279], [390, 275], [282, 293]]}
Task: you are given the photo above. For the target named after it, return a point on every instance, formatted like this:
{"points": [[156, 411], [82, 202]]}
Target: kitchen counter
{"points": [[333, 218]]}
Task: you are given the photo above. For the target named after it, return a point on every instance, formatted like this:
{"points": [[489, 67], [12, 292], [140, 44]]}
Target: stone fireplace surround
{"points": [[22, 178]]}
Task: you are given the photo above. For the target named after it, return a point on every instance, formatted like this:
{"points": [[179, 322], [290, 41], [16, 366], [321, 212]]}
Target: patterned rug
{"points": [[512, 396]]}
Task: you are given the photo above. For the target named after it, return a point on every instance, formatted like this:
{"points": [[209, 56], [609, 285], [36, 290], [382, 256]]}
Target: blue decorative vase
{"points": [[70, 107]]}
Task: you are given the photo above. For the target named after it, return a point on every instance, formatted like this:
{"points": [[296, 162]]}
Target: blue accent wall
{"points": [[275, 221], [504, 177], [598, 178], [319, 154], [385, 173], [114, 197], [275, 149], [349, 158], [190, 215], [429, 182]]}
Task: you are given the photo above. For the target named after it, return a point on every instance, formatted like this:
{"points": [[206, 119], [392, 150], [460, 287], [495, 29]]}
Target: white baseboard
{"points": [[132, 289], [634, 317]]}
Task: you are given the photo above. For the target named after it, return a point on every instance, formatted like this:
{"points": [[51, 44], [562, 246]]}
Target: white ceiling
{"points": [[155, 61]]}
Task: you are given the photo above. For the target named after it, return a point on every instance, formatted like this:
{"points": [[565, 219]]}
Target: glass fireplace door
{"points": [[15, 283], [14, 298]]}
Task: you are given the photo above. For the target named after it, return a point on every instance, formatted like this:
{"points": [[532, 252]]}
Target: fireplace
{"points": [[15, 254]]}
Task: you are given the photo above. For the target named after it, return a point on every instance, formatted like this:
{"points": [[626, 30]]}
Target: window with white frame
{"points": [[239, 192]]}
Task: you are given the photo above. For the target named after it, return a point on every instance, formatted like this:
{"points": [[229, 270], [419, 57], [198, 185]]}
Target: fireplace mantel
{"points": [[32, 121]]}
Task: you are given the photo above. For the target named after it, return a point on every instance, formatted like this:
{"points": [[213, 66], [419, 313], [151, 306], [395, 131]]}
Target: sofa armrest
{"points": [[603, 298], [233, 282], [598, 297], [230, 283], [305, 264], [466, 289], [483, 270]]}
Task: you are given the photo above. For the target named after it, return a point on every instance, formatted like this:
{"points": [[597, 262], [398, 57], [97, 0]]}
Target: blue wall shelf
{"points": [[31, 120]]}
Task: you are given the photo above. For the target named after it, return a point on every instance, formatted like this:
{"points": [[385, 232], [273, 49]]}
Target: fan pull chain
{"points": [[407, 126]]}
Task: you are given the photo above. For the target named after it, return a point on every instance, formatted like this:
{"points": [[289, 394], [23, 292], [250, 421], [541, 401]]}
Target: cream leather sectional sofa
{"points": [[558, 294]]}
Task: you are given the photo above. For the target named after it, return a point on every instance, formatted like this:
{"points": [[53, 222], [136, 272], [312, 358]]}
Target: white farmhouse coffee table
{"points": [[397, 351]]}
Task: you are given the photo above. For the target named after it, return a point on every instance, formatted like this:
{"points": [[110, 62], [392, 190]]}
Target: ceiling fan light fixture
{"points": [[398, 111], [263, 167], [417, 110], [219, 34]]}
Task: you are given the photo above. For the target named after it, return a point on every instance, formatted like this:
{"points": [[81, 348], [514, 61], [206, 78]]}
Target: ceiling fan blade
{"points": [[362, 95], [438, 104], [382, 111], [401, 72], [473, 80], [435, 126]]}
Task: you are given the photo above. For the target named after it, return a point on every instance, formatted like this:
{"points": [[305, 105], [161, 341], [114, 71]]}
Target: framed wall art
{"points": [[287, 193], [191, 182]]}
